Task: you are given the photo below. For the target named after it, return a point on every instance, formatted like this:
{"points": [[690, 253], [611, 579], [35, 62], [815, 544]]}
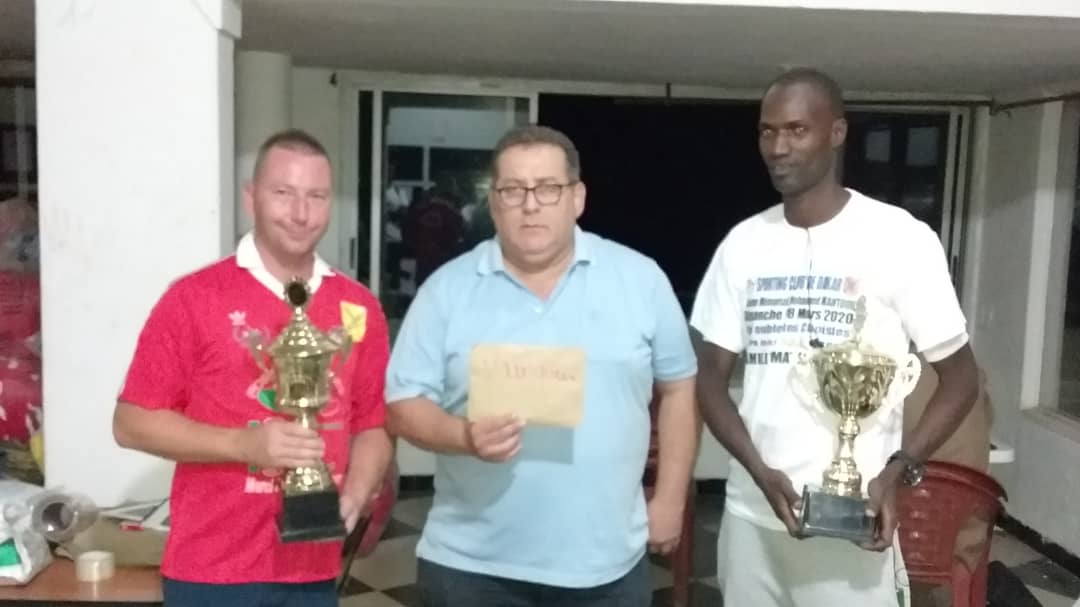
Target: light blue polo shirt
{"points": [[568, 510]]}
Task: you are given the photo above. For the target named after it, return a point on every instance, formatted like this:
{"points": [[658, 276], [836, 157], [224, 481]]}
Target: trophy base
{"points": [[842, 517], [311, 517]]}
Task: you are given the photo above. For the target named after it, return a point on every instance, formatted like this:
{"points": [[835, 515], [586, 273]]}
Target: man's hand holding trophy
{"points": [[852, 380], [301, 359]]}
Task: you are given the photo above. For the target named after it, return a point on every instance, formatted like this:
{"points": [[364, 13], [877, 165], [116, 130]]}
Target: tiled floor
{"points": [[386, 578]]}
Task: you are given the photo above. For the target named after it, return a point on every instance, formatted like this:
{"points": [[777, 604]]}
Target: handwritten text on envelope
{"points": [[542, 385]]}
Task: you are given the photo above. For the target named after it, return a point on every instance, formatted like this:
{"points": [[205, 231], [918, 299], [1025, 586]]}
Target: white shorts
{"points": [[759, 567]]}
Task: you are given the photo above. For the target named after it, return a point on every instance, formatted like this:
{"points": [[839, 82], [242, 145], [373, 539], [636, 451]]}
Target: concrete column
{"points": [[135, 126], [263, 106]]}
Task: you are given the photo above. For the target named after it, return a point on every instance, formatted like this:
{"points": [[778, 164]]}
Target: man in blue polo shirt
{"points": [[533, 514]]}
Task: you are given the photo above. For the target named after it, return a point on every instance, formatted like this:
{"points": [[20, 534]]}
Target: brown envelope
{"points": [[542, 385]]}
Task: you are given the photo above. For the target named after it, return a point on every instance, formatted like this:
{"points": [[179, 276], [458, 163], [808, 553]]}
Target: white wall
{"points": [[1029, 179], [263, 95], [1004, 260], [315, 107], [1046, 484], [136, 155], [1048, 446]]}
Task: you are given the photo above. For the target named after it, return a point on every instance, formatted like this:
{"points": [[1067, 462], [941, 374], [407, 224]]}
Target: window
{"points": [[899, 158], [436, 149], [1069, 395]]}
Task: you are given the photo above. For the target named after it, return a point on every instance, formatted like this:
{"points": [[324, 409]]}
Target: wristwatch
{"points": [[913, 468]]}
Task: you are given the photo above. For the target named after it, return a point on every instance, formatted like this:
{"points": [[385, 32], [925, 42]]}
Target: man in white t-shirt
{"points": [[787, 279]]}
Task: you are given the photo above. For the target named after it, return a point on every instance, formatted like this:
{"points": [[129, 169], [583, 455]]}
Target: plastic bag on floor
{"points": [[23, 551]]}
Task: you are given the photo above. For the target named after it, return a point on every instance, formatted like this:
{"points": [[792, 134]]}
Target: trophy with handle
{"points": [[851, 380], [301, 358]]}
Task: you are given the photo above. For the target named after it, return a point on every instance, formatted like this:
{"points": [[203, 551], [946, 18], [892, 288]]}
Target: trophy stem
{"points": [[306, 418], [842, 477], [306, 479]]}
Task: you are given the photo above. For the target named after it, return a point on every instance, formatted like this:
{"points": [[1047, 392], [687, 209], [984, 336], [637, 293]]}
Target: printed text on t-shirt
{"points": [[784, 310]]}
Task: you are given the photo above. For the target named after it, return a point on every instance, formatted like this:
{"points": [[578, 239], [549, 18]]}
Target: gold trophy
{"points": [[852, 380], [301, 359]]}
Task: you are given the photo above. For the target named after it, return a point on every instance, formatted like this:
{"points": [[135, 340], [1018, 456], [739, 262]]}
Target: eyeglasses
{"points": [[545, 193]]}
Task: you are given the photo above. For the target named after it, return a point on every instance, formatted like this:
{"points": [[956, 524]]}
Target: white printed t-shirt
{"points": [[771, 287]]}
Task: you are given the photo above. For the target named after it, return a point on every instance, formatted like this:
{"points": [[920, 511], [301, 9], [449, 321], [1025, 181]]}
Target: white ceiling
{"points": [[651, 43], [726, 46]]}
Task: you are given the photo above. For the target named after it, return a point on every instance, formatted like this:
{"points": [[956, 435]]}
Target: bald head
{"points": [[815, 81]]}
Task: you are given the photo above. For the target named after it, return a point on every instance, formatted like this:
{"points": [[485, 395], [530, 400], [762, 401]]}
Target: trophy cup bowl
{"points": [[852, 384], [302, 358], [852, 381]]}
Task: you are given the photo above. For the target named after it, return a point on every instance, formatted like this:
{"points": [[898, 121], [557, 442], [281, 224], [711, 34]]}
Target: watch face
{"points": [[913, 475]]}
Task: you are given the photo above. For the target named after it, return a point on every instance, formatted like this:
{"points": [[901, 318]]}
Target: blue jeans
{"points": [[193, 594], [445, 587]]}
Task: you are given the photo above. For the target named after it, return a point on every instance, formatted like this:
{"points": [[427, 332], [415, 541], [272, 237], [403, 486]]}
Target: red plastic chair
{"points": [[682, 559], [931, 516]]}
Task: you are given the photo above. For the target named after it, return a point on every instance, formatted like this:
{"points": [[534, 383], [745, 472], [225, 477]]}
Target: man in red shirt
{"points": [[194, 394]]}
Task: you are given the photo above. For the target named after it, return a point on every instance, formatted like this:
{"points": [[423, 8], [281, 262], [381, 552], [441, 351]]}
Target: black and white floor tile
{"points": [[387, 577]]}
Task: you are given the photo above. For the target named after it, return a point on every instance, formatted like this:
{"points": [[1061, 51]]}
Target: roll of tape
{"points": [[94, 566]]}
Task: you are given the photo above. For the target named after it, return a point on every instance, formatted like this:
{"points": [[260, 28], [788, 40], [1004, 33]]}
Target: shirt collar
{"points": [[491, 257], [247, 257]]}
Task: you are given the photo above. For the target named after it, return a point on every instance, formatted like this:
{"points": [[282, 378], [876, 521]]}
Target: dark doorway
{"points": [[670, 179], [899, 158], [666, 180]]}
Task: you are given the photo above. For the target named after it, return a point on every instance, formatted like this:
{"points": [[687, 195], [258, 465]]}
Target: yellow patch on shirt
{"points": [[354, 320]]}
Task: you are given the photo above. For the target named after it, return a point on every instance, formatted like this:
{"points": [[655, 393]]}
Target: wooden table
{"points": [[56, 585]]}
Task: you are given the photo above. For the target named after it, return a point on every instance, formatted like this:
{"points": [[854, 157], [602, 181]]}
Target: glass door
{"points": [[423, 171]]}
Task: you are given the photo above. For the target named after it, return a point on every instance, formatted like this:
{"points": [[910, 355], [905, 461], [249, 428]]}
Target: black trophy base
{"points": [[842, 517], [311, 517]]}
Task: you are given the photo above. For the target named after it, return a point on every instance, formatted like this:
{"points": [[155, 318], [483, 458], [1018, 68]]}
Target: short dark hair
{"points": [[534, 134], [296, 140], [816, 79]]}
